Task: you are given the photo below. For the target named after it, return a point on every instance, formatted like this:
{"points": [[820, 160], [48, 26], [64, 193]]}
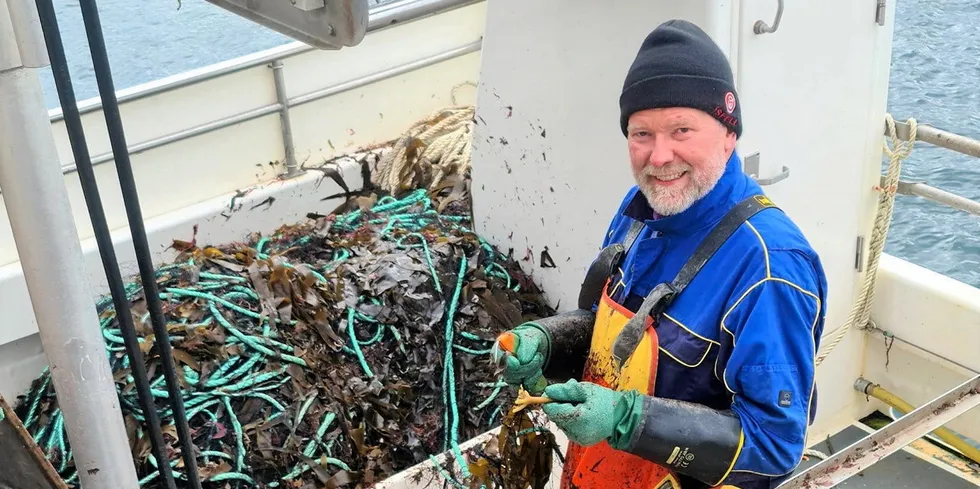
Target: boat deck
{"points": [[910, 468]]}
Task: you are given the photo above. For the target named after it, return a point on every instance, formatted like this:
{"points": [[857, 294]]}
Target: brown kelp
{"points": [[331, 353]]}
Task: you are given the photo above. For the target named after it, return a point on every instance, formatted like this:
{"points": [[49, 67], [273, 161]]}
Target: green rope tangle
{"points": [[334, 353]]}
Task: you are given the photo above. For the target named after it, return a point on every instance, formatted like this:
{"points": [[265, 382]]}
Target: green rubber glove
{"points": [[589, 413], [524, 365]]}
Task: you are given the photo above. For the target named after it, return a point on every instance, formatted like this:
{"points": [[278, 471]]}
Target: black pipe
{"points": [[90, 188], [127, 183]]}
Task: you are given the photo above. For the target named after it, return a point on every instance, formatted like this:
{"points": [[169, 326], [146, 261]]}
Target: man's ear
{"points": [[730, 139]]}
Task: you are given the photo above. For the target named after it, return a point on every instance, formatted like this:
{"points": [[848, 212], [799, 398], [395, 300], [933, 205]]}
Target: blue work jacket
{"points": [[744, 333]]}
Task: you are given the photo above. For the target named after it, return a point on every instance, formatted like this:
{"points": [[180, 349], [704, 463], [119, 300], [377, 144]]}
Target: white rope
{"points": [[861, 311], [815, 453], [430, 150]]}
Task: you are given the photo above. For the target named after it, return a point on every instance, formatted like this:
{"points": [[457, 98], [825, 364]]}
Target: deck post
{"points": [[286, 127], [48, 246]]}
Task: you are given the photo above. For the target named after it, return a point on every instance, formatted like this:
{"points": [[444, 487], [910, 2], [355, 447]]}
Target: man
{"points": [[711, 383]]}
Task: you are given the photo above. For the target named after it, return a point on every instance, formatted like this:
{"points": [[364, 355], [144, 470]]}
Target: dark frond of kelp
{"points": [[333, 353]]}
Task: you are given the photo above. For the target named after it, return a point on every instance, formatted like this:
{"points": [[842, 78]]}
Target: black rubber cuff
{"points": [[569, 337], [688, 438]]}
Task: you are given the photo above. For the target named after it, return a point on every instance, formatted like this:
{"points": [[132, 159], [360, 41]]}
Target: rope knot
{"points": [[902, 147]]}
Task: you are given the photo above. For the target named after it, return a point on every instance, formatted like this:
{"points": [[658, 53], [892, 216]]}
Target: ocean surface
{"points": [[935, 78]]}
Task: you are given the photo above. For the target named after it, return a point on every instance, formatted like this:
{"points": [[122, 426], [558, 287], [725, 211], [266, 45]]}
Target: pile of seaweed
{"points": [[332, 353]]}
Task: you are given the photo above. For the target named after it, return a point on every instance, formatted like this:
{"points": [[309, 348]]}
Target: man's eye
{"points": [[682, 130]]}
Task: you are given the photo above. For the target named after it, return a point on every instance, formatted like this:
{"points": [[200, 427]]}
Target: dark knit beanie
{"points": [[678, 65]]}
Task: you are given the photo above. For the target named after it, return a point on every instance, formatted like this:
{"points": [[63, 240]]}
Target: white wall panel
{"points": [[812, 102]]}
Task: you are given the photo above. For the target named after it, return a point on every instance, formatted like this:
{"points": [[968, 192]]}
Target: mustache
{"points": [[668, 169]]}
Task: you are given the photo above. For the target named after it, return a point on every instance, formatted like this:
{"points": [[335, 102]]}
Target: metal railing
{"points": [[381, 17], [896, 435], [939, 195], [926, 418], [283, 107], [944, 139]]}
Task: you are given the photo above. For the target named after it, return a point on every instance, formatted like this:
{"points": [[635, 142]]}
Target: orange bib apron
{"points": [[600, 465]]}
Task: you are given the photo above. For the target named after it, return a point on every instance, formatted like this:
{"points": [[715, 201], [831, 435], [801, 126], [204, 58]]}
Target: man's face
{"points": [[678, 154]]}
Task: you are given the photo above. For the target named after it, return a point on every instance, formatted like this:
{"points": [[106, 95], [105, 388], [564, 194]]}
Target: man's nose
{"points": [[662, 154]]}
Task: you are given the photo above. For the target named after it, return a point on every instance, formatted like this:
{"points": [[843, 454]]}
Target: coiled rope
{"points": [[861, 311], [429, 151]]}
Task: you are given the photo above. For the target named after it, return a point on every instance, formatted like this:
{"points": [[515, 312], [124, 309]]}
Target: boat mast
{"points": [[47, 241]]}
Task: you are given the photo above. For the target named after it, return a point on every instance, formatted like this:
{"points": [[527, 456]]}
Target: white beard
{"points": [[668, 201]]}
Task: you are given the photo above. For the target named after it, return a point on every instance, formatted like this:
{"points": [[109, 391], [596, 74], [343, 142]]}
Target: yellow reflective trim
{"points": [[714, 371], [762, 474], [739, 301], [765, 253], [769, 279], [765, 249], [738, 451], [674, 483], [690, 331], [678, 360], [813, 384], [813, 327], [723, 328], [619, 283]]}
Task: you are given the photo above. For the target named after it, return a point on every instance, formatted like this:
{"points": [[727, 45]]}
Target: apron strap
{"points": [[604, 266], [717, 237], [631, 235], [663, 294]]}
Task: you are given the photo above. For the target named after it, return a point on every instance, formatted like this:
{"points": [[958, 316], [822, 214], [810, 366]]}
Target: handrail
{"points": [[938, 195], [286, 104], [938, 137], [943, 139], [380, 17]]}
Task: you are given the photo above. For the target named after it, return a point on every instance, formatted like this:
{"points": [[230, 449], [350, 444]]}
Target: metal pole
{"points": [[890, 439], [287, 128], [938, 137], [274, 107], [940, 196], [127, 184], [51, 257], [93, 201]]}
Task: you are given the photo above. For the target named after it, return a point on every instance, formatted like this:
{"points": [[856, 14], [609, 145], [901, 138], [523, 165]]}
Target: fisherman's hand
{"points": [[589, 413], [523, 360]]}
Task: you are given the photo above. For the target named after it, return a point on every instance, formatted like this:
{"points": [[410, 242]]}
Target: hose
{"points": [[944, 434]]}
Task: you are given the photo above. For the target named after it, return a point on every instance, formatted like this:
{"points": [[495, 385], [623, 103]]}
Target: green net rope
{"points": [[227, 300]]}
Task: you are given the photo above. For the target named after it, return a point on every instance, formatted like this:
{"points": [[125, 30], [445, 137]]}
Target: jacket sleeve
{"points": [[770, 335]]}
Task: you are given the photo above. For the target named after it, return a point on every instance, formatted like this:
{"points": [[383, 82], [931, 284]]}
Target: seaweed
{"points": [[334, 352]]}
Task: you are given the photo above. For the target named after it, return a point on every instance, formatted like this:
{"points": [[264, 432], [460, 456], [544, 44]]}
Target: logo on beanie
{"points": [[730, 102]]}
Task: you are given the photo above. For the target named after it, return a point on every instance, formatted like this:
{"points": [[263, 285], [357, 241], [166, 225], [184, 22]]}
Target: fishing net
{"points": [[331, 353]]}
